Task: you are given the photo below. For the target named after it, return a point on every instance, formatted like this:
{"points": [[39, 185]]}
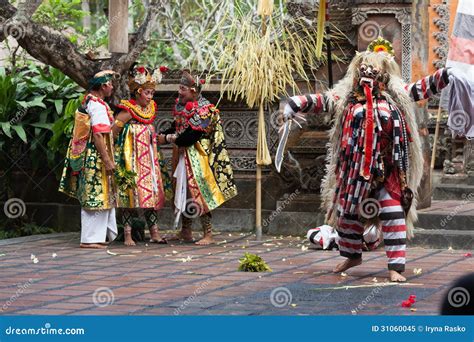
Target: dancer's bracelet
{"points": [[119, 123]]}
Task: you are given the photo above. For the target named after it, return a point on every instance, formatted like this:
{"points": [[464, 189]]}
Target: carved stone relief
{"points": [[403, 16]]}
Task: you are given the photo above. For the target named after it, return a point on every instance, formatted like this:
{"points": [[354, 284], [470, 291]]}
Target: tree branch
{"points": [[28, 8], [52, 48], [6, 12]]}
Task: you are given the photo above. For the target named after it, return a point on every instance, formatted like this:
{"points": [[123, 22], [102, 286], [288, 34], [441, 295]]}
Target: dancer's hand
{"points": [[109, 166], [161, 139], [171, 138], [289, 114]]}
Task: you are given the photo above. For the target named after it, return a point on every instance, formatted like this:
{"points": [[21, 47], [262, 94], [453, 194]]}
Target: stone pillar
{"points": [[420, 68]]}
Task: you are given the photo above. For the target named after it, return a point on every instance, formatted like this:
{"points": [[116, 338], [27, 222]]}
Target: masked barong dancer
{"points": [[204, 176], [375, 161], [88, 173], [137, 152]]}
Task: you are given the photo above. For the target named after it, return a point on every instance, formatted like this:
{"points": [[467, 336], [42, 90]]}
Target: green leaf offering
{"points": [[125, 179], [253, 263]]}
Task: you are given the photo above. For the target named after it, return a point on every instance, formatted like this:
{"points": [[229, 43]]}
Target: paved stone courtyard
{"points": [[50, 275]]}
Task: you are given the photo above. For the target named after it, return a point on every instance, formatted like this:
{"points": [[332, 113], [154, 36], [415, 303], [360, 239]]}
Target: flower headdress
{"points": [[141, 77]]}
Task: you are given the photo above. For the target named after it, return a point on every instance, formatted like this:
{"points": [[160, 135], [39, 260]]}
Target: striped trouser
{"points": [[392, 219]]}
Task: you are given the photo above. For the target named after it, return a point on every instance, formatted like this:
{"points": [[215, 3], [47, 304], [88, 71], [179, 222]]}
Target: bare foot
{"points": [[155, 236], [397, 277], [348, 263], [185, 235], [129, 242], [92, 245], [206, 240], [127, 231]]}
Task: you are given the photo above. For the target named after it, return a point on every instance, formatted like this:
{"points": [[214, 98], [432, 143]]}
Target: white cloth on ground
{"points": [[328, 238]]}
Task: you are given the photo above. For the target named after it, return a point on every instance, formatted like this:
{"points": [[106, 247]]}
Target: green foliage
{"points": [[125, 178], [253, 263], [63, 126], [31, 101], [10, 230], [60, 14]]}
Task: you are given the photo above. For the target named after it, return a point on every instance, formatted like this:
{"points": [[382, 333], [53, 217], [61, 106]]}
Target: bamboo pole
{"points": [[262, 158], [265, 8], [258, 214]]}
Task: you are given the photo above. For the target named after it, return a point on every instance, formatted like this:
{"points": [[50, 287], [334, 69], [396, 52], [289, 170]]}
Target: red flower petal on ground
{"points": [[164, 68], [141, 70], [468, 255]]}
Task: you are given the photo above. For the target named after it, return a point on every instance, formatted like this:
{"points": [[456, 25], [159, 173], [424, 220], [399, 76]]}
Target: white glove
{"points": [[454, 73], [171, 138], [288, 113]]}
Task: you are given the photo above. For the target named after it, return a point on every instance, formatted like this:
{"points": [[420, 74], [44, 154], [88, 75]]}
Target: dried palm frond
{"points": [[260, 68]]}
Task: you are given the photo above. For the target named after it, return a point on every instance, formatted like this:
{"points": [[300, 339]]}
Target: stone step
{"points": [[457, 231], [453, 192], [448, 221], [299, 203], [443, 238]]}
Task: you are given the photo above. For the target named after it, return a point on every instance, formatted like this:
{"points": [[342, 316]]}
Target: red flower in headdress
{"points": [[189, 106], [141, 70], [164, 68]]}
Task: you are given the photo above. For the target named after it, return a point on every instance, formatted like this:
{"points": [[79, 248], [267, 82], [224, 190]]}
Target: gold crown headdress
{"points": [[141, 77]]}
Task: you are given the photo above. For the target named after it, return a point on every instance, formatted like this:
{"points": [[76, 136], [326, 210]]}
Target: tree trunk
{"points": [[86, 21], [118, 26]]}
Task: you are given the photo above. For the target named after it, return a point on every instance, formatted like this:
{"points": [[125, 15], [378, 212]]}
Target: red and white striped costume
{"points": [[373, 161]]}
